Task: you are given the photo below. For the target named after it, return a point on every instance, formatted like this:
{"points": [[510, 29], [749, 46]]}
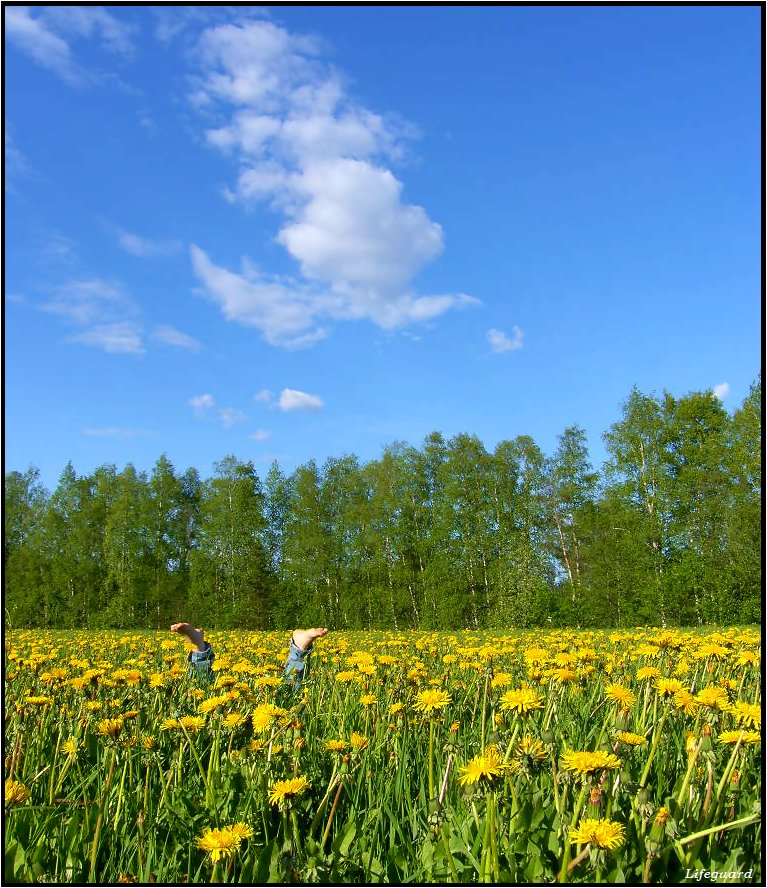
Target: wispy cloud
{"points": [[16, 163], [265, 396], [722, 390], [175, 338], [144, 247], [106, 316], [46, 35], [122, 338], [500, 342], [319, 159], [292, 399], [231, 416], [202, 403], [204, 407], [260, 435], [86, 300]]}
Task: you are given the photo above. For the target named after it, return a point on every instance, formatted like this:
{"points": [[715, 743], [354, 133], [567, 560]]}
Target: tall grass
{"points": [[120, 768]]}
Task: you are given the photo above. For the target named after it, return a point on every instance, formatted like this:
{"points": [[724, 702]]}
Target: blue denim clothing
{"points": [[201, 664], [294, 675], [297, 666]]}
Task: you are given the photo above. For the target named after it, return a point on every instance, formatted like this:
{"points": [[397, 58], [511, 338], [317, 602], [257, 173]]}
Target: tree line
{"points": [[445, 536]]}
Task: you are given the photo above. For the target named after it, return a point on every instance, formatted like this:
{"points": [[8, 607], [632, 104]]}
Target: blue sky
{"points": [[299, 232]]}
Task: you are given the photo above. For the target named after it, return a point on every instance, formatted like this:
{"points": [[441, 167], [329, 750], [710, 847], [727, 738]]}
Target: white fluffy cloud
{"points": [[292, 399], [318, 158], [500, 342], [722, 390]]}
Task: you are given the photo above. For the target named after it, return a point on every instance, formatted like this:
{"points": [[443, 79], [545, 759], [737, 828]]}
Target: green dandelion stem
{"points": [[580, 858], [653, 748], [53, 769], [100, 818], [688, 774], [484, 707], [493, 839], [711, 830], [205, 782], [563, 870], [431, 755], [326, 833]]}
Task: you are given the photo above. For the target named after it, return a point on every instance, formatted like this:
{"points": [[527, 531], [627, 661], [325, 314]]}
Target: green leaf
{"points": [[344, 839], [14, 863]]}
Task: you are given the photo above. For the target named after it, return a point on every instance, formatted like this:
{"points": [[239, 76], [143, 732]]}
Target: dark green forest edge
{"points": [[448, 536]]}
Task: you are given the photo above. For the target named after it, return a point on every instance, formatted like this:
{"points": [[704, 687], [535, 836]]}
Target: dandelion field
{"points": [[410, 757]]}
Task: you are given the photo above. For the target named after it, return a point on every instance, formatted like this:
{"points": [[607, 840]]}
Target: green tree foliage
{"points": [[446, 536]]}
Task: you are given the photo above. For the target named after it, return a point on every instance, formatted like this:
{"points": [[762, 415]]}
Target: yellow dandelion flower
{"points": [[714, 697], [667, 687], [110, 727], [15, 793], [601, 833], [483, 767], [648, 672], [38, 701], [631, 739], [368, 700], [219, 843], [579, 762], [233, 719], [747, 658], [262, 717], [621, 695], [359, 742], [346, 676], [686, 701], [431, 699], [192, 723], [522, 700], [336, 745], [54, 674], [69, 747], [212, 704], [532, 747], [500, 680], [284, 789], [396, 707], [243, 830], [536, 655], [743, 735], [746, 713]]}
